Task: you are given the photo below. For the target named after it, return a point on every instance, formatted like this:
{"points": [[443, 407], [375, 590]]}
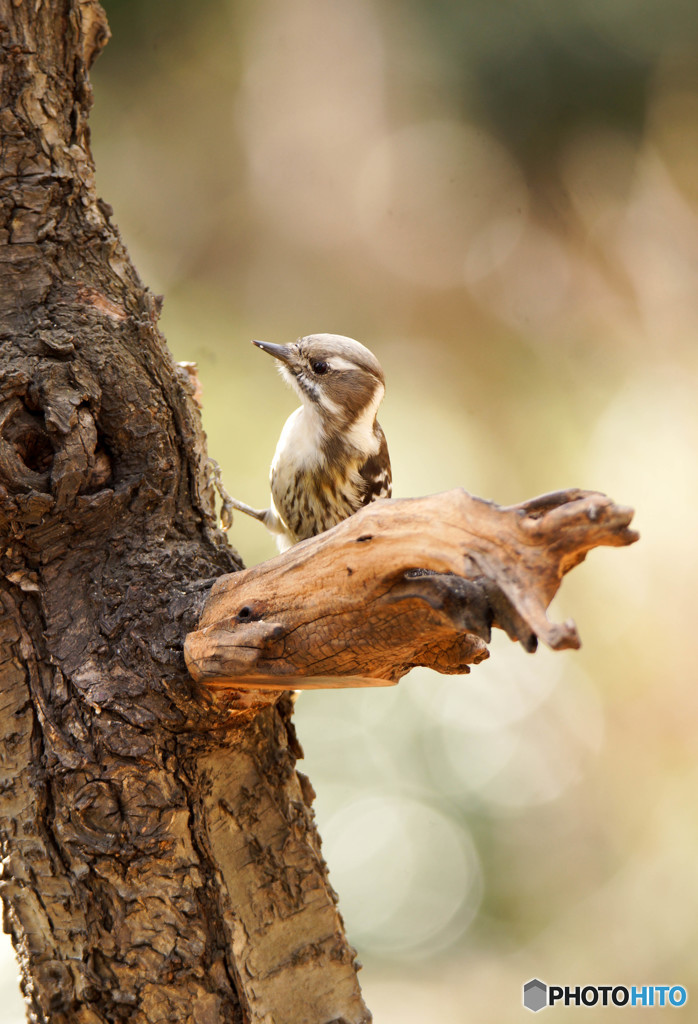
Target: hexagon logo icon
{"points": [[535, 995]]}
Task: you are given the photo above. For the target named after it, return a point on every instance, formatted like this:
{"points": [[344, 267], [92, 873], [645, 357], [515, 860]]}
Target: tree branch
{"points": [[401, 583]]}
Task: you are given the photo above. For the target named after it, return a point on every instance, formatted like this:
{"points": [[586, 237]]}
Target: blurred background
{"points": [[501, 201]]}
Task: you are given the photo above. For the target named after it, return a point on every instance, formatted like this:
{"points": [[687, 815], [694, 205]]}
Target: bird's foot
{"points": [[228, 504]]}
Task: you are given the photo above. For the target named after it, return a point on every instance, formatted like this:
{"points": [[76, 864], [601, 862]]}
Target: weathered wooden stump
{"points": [[407, 582]]}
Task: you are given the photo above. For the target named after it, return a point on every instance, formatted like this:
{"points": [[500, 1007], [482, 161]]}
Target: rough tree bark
{"points": [[158, 866]]}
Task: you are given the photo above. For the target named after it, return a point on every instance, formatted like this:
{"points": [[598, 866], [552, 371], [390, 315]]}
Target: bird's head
{"points": [[337, 377]]}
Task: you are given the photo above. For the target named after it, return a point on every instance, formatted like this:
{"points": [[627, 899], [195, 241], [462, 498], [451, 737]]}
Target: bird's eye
{"points": [[319, 366]]}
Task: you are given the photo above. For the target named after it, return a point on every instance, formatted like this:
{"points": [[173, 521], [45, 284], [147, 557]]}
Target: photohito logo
{"points": [[537, 995]]}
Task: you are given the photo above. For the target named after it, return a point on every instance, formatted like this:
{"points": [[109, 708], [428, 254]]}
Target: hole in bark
{"points": [[100, 473], [35, 450], [248, 613], [27, 432], [366, 536]]}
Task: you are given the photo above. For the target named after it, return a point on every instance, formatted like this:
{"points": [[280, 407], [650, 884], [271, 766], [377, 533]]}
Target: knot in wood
{"points": [[98, 817], [50, 444]]}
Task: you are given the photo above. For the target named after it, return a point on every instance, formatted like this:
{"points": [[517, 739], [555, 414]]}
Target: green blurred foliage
{"points": [[535, 71]]}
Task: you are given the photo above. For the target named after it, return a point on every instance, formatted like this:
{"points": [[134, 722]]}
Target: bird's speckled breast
{"points": [[317, 480], [311, 501]]}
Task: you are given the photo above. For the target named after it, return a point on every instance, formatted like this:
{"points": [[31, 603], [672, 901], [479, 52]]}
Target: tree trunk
{"points": [[160, 859]]}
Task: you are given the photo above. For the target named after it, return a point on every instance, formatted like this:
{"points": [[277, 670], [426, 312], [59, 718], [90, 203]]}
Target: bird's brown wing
{"points": [[376, 472]]}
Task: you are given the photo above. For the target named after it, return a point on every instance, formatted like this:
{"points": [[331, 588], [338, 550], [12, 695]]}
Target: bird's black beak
{"points": [[281, 352]]}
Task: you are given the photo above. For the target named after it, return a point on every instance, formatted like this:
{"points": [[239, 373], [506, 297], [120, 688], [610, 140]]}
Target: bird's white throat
{"points": [[305, 429], [300, 437]]}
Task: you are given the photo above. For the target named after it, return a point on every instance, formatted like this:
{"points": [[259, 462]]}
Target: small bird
{"points": [[332, 456]]}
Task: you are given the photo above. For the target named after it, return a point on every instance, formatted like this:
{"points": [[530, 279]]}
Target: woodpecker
{"points": [[332, 456]]}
